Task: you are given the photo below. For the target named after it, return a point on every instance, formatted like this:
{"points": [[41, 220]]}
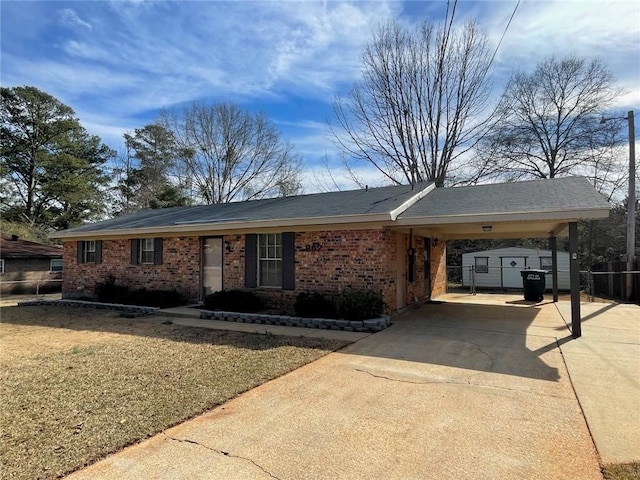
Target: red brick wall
{"points": [[345, 259], [438, 269], [326, 262], [180, 268]]}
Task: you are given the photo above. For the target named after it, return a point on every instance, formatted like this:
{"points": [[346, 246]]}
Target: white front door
{"points": [[211, 265], [511, 268]]}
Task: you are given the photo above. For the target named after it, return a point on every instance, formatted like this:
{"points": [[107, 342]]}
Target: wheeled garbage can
{"points": [[533, 282]]}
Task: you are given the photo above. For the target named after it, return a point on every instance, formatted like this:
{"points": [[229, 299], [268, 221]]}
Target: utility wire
{"points": [[503, 35]]}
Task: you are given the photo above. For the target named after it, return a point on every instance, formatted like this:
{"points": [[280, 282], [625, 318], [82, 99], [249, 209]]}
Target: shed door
{"points": [[511, 267], [211, 265]]}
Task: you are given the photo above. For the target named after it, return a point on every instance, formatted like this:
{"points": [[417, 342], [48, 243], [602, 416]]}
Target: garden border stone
{"points": [[371, 325]]}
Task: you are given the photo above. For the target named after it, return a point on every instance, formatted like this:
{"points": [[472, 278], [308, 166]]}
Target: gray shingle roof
{"points": [[353, 202], [557, 194], [10, 248]]}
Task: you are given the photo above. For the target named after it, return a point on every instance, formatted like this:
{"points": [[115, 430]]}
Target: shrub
{"points": [[155, 298], [315, 305], [233, 301], [361, 304], [109, 292]]}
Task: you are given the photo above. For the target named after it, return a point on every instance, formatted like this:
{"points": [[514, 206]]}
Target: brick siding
{"points": [[180, 268], [438, 269], [326, 262]]}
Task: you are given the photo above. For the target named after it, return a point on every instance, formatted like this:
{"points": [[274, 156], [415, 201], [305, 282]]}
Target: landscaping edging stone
{"points": [[136, 309], [371, 325]]}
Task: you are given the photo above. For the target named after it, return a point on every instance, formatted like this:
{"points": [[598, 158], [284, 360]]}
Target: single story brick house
{"points": [[389, 239], [26, 266]]}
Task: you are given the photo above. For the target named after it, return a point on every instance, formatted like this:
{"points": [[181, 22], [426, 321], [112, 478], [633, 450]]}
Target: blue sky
{"points": [[116, 63]]}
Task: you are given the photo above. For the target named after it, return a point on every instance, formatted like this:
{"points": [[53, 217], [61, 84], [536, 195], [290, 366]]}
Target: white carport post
{"points": [[574, 280]]}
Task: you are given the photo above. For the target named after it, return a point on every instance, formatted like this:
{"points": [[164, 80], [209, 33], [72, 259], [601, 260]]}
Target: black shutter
{"points": [[134, 251], [157, 251], [80, 251], [288, 261], [98, 251], [250, 260]]}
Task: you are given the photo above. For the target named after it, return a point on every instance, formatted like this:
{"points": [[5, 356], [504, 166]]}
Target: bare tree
{"points": [[418, 107], [228, 154], [549, 125]]}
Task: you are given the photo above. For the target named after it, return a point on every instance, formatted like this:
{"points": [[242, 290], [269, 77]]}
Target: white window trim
{"points": [[278, 237], [550, 263], [142, 251], [87, 250], [483, 270], [51, 265]]}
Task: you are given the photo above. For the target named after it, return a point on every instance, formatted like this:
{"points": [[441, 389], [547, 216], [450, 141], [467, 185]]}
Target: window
{"points": [[482, 264], [270, 260], [89, 253], [1, 266], [545, 263], [146, 251], [56, 265]]}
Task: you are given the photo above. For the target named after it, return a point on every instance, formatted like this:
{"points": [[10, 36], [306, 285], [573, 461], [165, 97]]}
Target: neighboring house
{"points": [[500, 268], [389, 239], [26, 266]]}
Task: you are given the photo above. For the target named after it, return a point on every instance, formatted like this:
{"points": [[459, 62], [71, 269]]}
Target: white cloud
{"points": [[70, 18]]}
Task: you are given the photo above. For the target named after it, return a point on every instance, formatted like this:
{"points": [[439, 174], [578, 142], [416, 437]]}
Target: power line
{"points": [[503, 34]]}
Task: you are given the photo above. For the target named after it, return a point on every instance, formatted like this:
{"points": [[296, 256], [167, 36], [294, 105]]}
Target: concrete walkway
{"points": [[604, 366], [450, 391]]}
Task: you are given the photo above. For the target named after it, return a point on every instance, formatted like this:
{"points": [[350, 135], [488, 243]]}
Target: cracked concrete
{"points": [[221, 452], [449, 391]]}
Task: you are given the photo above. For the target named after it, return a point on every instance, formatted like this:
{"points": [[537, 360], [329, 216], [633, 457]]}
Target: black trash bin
{"points": [[533, 282]]}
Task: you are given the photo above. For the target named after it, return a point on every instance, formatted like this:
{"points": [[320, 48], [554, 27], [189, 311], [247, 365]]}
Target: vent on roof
{"points": [[15, 238]]}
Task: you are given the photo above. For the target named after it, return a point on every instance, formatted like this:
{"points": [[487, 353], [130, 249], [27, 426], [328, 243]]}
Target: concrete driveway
{"points": [[604, 365], [450, 391]]}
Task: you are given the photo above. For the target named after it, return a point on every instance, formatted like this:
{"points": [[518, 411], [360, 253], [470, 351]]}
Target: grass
{"points": [[76, 384], [622, 471]]}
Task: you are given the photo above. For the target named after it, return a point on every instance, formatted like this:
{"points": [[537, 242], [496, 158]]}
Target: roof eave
{"points": [[565, 215], [222, 227]]}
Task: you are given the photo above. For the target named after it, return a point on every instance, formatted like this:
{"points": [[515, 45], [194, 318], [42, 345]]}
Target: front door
{"points": [[511, 268], [211, 265]]}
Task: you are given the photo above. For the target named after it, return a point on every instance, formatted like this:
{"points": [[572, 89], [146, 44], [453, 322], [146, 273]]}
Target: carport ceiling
{"points": [[533, 229]]}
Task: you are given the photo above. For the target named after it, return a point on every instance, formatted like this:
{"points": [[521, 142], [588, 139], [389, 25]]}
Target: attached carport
{"points": [[547, 208]]}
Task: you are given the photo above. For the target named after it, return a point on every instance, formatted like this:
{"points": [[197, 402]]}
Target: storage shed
{"points": [[500, 268]]}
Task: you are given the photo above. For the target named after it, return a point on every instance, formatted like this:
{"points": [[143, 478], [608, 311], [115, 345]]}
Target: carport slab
{"points": [[449, 392]]}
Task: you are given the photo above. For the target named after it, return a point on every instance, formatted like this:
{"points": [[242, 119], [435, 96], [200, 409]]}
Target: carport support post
{"points": [[553, 246], [574, 279]]}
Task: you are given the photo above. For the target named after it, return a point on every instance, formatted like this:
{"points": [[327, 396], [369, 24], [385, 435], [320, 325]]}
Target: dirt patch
{"points": [[77, 384]]}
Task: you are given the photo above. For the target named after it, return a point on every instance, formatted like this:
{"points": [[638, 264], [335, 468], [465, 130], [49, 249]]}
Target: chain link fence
{"points": [[33, 288], [602, 284]]}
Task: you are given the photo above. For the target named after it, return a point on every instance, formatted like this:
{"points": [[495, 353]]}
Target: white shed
{"points": [[500, 268]]}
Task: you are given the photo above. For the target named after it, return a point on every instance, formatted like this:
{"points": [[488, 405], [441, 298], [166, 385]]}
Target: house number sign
{"points": [[314, 247]]}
